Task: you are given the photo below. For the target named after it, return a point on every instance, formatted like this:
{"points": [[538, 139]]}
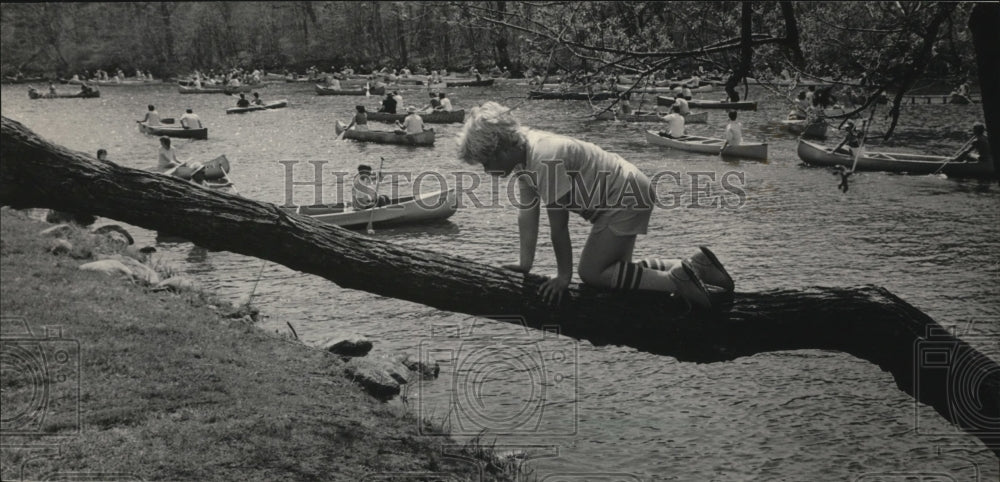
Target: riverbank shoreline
{"points": [[157, 384]]}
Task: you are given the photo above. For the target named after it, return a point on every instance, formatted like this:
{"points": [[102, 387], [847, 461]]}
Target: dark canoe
{"points": [[320, 90], [427, 207], [436, 117], [425, 138], [548, 95], [218, 89], [817, 130], [959, 99], [904, 163], [93, 94], [270, 105], [174, 131], [471, 83], [710, 104]]}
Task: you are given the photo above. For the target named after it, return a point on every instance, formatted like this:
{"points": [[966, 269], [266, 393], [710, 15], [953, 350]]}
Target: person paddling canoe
{"points": [[979, 143], [551, 171], [167, 163]]}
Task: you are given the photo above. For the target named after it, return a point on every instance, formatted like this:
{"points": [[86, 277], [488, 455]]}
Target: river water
{"points": [[612, 413]]}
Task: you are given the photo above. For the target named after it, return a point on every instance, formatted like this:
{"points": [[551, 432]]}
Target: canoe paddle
{"points": [[378, 179], [953, 158]]}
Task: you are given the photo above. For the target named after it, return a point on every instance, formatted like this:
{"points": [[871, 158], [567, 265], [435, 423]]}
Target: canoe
{"points": [[959, 99], [436, 117], [817, 155], [174, 131], [816, 130], [320, 90], [663, 90], [708, 145], [471, 83], [642, 116], [120, 83], [431, 206], [218, 89], [425, 138], [552, 95], [215, 170], [303, 79], [277, 104], [78, 95], [711, 104], [216, 174]]}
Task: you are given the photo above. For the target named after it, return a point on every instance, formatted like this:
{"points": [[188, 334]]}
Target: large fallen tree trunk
{"points": [[867, 322]]}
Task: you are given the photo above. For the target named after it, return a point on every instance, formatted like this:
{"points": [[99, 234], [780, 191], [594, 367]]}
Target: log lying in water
{"points": [[867, 322]]}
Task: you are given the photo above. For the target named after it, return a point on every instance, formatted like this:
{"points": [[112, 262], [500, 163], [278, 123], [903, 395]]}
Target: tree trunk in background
{"points": [[168, 35], [867, 322], [503, 56], [792, 32], [746, 52], [985, 25], [404, 54], [376, 29]]}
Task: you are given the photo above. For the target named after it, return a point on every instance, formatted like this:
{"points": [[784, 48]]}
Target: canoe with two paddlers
{"points": [[642, 116], [276, 104], [898, 162], [425, 138], [707, 145], [169, 129], [436, 117], [710, 104], [427, 207], [321, 90]]}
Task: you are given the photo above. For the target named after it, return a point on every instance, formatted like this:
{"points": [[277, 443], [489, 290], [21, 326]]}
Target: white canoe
{"points": [[708, 145], [429, 206], [900, 162], [642, 116]]}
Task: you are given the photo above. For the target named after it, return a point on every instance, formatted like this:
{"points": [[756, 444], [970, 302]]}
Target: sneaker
{"points": [[707, 266], [689, 287]]}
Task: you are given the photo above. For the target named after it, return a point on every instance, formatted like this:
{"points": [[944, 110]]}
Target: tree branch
{"points": [[867, 322]]}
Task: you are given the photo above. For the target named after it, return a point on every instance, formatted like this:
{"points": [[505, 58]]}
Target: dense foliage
{"points": [[877, 39]]}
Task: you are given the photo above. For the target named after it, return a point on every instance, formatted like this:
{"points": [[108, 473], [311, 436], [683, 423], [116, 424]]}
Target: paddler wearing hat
{"points": [[412, 124]]}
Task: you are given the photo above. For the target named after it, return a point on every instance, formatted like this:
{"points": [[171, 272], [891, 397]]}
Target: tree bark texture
{"points": [[746, 52], [867, 322], [984, 23]]}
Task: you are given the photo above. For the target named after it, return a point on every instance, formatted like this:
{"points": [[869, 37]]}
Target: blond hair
{"points": [[488, 129]]}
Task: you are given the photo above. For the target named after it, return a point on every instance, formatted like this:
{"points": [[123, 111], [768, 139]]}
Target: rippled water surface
{"points": [[611, 412]]}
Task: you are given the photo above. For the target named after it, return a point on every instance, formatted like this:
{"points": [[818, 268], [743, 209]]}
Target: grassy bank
{"points": [[171, 388]]}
